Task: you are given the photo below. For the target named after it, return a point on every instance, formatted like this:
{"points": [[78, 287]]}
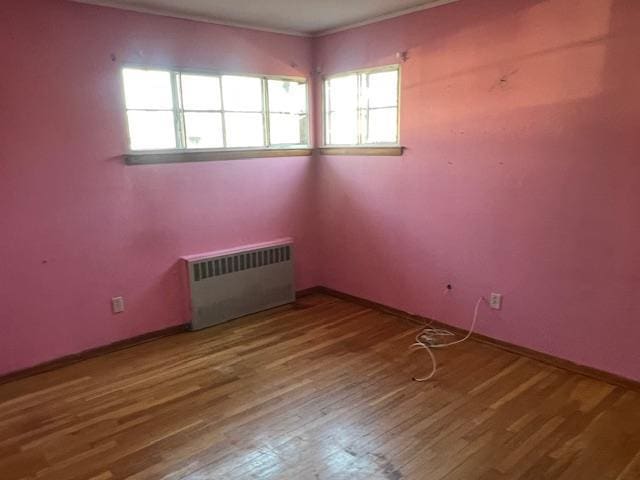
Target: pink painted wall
{"points": [[522, 175], [78, 226]]}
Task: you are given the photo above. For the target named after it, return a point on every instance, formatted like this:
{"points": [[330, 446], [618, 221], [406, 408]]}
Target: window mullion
{"points": [[178, 113], [358, 111], [266, 118], [222, 113], [327, 106], [365, 120], [361, 108]]}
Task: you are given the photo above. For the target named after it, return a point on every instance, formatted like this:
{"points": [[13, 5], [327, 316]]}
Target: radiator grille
{"points": [[235, 283], [239, 262]]}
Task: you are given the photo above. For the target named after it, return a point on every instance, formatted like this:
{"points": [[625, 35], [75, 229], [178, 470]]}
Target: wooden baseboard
{"points": [[510, 347], [148, 337], [112, 347], [91, 353], [309, 291]]}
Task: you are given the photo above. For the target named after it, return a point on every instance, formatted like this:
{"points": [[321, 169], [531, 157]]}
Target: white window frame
{"points": [[179, 111], [362, 118]]}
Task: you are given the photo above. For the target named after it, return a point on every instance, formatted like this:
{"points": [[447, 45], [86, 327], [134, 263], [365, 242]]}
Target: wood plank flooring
{"points": [[319, 390]]}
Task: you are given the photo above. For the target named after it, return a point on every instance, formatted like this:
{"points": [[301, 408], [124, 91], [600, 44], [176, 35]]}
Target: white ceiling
{"points": [[306, 17]]}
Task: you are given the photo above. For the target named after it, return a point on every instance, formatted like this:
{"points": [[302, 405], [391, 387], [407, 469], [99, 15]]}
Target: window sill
{"points": [[151, 157], [387, 150]]}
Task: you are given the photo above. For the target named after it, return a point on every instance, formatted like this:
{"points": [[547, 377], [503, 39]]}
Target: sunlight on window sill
{"points": [[368, 150]]}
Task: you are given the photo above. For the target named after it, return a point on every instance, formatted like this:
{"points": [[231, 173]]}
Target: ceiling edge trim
{"points": [[249, 26], [185, 16], [381, 18]]}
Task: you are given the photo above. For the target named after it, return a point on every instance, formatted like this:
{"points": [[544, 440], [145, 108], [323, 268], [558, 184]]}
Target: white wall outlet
{"points": [[117, 304], [495, 301]]}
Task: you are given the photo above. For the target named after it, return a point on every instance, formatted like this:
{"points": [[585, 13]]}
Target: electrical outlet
{"points": [[495, 301], [117, 304]]}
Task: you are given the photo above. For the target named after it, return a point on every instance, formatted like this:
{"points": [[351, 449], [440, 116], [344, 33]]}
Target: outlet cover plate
{"points": [[495, 301], [117, 304]]}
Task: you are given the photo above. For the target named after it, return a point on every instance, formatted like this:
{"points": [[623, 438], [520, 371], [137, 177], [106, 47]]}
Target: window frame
{"points": [[179, 111], [325, 127]]}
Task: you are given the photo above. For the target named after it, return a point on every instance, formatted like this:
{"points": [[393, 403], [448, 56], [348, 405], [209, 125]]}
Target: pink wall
{"points": [[78, 226], [521, 175]]}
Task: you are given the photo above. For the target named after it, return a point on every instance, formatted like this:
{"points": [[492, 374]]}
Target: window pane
{"points": [[147, 89], [288, 129], [151, 130], [286, 96], [200, 92], [244, 129], [343, 128], [203, 130], [383, 126], [242, 93], [343, 93], [383, 89]]}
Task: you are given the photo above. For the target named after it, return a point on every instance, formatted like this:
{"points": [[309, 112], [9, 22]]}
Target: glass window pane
{"points": [[383, 89], [151, 130], [286, 96], [343, 93], [203, 130], [288, 129], [244, 129], [147, 89], [343, 128], [383, 126], [242, 93], [200, 92]]}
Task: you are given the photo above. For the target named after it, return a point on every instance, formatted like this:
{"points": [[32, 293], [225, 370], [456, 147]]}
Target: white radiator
{"points": [[232, 283]]}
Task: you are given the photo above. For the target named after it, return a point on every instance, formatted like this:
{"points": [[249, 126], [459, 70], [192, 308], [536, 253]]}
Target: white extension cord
{"points": [[427, 339]]}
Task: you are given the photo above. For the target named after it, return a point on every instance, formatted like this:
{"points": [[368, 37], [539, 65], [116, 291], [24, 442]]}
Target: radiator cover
{"points": [[233, 283]]}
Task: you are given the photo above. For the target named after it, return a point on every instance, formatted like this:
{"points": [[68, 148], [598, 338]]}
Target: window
{"points": [[183, 110], [361, 108]]}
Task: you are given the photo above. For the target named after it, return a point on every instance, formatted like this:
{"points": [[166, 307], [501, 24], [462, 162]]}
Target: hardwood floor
{"points": [[320, 390]]}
